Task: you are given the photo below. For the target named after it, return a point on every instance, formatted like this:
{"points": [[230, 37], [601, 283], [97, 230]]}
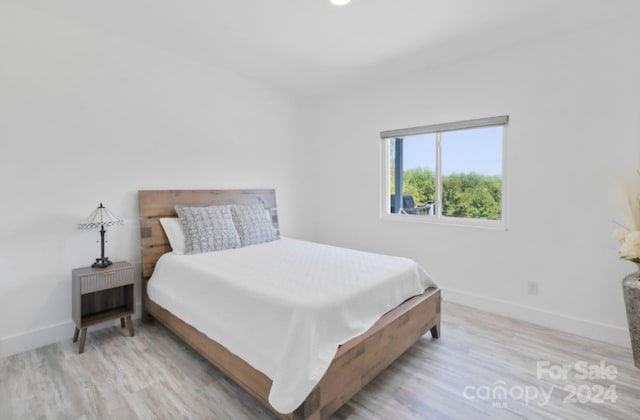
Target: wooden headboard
{"points": [[152, 205]]}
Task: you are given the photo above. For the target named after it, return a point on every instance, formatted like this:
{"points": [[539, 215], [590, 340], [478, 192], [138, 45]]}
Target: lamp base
{"points": [[101, 263]]}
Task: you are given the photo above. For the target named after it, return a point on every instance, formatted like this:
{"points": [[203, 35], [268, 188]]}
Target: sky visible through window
{"points": [[476, 150]]}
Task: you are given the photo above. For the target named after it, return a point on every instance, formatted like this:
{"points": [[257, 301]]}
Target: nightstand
{"points": [[101, 294]]}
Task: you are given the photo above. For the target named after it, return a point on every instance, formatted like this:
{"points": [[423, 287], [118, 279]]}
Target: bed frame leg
{"points": [[146, 317], [435, 331]]}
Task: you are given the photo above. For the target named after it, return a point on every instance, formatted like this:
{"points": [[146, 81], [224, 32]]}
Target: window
{"points": [[453, 173]]}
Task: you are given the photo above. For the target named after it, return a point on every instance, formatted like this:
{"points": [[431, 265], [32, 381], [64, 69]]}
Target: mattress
{"points": [[284, 306]]}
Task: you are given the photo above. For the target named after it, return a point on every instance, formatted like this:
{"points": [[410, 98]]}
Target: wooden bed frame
{"points": [[356, 362]]}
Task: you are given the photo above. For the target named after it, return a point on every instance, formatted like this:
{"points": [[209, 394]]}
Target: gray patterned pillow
{"points": [[253, 224], [208, 229]]}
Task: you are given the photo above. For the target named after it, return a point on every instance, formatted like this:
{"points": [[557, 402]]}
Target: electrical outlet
{"points": [[532, 288]]}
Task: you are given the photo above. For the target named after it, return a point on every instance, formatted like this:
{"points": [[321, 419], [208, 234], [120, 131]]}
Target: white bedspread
{"points": [[285, 306]]}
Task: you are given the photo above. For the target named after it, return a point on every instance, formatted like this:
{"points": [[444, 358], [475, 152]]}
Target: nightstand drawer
{"points": [[106, 280]]}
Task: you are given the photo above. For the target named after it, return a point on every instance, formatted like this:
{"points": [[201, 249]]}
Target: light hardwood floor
{"points": [[154, 375]]}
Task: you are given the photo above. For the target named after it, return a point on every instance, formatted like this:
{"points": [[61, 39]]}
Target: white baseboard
{"points": [[608, 333], [594, 330], [35, 338], [47, 335]]}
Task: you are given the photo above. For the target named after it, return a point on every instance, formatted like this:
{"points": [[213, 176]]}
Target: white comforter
{"points": [[285, 306]]}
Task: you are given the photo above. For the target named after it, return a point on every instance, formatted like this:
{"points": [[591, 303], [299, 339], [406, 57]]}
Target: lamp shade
{"points": [[99, 218]]}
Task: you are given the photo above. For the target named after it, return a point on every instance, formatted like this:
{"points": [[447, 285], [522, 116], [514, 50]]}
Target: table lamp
{"points": [[100, 218]]}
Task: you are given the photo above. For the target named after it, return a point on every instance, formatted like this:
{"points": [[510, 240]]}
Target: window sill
{"points": [[446, 221]]}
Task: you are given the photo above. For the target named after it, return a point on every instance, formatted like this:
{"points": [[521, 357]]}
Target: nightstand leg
{"points": [[130, 325], [75, 335], [83, 337], [122, 322]]}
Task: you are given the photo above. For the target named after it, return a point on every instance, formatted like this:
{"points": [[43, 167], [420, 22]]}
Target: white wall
{"points": [[574, 107], [86, 117]]}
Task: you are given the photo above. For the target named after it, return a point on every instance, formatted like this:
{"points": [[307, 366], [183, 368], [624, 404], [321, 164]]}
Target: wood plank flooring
{"points": [[459, 376]]}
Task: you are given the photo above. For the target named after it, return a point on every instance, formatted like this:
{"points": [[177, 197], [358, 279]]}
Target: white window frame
{"points": [[438, 218]]}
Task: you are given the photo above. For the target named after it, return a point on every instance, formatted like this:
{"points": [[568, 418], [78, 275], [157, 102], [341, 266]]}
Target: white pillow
{"points": [[175, 233]]}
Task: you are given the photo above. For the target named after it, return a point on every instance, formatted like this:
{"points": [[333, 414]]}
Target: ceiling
{"points": [[311, 46]]}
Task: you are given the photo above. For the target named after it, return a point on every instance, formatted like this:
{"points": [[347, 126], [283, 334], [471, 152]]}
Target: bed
{"points": [[357, 361]]}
